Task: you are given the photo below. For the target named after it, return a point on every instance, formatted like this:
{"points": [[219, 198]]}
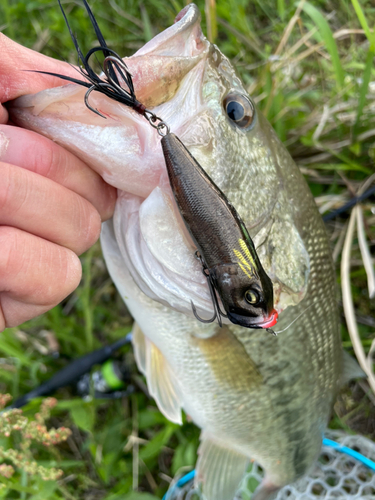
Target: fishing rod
{"points": [[111, 377], [349, 204]]}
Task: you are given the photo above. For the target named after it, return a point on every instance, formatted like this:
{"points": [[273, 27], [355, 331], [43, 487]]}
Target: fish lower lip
{"points": [[252, 322], [271, 321]]}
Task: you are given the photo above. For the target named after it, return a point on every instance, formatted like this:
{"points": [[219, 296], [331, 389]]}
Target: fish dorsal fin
{"points": [[350, 369], [161, 381], [219, 469]]}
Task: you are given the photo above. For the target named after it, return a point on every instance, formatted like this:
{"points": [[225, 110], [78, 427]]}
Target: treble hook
{"points": [[211, 320], [217, 311], [214, 303], [93, 87], [107, 70]]}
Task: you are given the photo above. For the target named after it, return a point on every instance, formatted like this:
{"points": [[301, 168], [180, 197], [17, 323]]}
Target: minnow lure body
{"points": [[227, 252]]}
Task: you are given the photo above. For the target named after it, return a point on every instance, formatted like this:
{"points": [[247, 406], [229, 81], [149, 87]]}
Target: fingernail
{"points": [[4, 143]]}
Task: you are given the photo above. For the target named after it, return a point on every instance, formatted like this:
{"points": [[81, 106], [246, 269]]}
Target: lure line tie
{"points": [[153, 119]]}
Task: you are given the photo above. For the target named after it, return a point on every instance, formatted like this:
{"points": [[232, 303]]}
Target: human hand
{"points": [[51, 203]]}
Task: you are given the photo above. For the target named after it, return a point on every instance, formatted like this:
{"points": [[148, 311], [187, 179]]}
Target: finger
{"points": [[30, 267], [16, 81], [46, 158], [35, 204]]}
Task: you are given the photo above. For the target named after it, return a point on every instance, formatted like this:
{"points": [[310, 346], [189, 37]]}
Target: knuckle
{"points": [[42, 157]]}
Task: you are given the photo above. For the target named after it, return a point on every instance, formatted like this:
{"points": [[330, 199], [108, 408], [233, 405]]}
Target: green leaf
{"points": [[45, 490], [185, 454], [84, 417], [153, 448], [356, 148], [16, 487], [326, 33], [12, 347], [150, 417]]}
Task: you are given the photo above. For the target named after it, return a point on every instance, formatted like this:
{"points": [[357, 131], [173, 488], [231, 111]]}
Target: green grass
{"points": [[120, 445]]}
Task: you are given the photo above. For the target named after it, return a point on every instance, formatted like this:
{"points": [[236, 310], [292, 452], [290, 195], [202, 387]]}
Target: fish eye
{"points": [[239, 109], [252, 297]]}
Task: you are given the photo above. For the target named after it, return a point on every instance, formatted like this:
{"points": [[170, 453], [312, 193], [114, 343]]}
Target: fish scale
{"points": [[254, 396]]}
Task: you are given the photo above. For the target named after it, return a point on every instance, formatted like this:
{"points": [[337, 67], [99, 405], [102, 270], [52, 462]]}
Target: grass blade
{"points": [[281, 8], [364, 87], [369, 60], [347, 299], [365, 253], [329, 41], [147, 26], [362, 19], [210, 10], [288, 30]]}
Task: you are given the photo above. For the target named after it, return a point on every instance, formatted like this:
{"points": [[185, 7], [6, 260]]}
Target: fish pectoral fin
{"points": [[350, 369], [161, 381], [139, 346], [219, 469]]}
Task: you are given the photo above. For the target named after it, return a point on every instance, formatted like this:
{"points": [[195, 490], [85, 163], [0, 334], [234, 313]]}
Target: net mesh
{"points": [[334, 476]]}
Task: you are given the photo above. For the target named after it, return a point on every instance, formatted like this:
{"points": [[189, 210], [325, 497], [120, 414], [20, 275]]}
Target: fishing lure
{"points": [[229, 260]]}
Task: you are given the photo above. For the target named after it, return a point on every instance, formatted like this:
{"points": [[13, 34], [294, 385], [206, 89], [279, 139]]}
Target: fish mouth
{"points": [[259, 322], [165, 62], [183, 38]]}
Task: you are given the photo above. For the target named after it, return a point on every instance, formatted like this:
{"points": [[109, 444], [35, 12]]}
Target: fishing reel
{"points": [[109, 381]]}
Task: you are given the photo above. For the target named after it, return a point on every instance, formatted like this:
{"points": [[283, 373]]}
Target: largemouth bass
{"points": [[253, 395]]}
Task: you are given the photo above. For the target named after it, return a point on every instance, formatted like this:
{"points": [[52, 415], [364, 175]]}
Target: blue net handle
{"points": [[348, 451]]}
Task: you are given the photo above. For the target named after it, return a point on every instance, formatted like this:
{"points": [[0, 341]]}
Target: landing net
{"points": [[335, 475]]}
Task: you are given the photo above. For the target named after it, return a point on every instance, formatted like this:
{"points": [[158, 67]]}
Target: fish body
{"points": [[253, 395]]}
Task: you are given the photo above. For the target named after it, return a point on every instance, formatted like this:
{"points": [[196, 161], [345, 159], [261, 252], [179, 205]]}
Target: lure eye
{"points": [[252, 297], [239, 110]]}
